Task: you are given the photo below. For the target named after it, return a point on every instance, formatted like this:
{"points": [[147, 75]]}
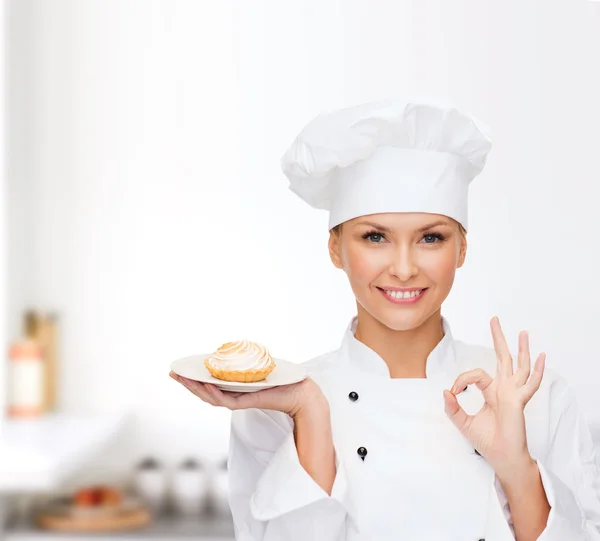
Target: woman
{"points": [[403, 432]]}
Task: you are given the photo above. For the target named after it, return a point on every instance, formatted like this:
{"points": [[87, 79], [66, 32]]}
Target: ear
{"points": [[463, 251], [334, 249]]}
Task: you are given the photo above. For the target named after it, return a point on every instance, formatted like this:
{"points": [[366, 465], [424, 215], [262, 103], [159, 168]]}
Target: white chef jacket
{"points": [[420, 479]]}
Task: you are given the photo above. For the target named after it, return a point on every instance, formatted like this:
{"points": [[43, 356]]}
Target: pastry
{"points": [[244, 361]]}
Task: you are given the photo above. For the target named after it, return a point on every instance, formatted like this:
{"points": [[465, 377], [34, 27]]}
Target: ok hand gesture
{"points": [[497, 431]]}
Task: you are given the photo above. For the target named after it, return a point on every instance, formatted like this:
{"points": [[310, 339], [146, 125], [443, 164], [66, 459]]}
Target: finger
{"points": [[457, 415], [197, 388], [212, 386], [216, 398], [483, 381], [535, 380], [234, 395], [271, 398], [232, 401], [524, 360], [505, 367], [478, 376]]}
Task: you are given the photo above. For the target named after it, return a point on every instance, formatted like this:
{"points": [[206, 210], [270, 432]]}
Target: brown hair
{"points": [[337, 229]]}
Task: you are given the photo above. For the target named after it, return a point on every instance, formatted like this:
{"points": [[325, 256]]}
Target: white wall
{"points": [[3, 204], [146, 138]]}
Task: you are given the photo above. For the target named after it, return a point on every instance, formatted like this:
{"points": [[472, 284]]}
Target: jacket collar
{"points": [[365, 359]]}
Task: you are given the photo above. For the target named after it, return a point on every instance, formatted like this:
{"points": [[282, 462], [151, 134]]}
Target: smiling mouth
{"points": [[403, 297]]}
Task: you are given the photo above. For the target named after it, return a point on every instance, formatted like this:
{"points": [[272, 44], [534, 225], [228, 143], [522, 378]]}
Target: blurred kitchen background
{"points": [[145, 218]]}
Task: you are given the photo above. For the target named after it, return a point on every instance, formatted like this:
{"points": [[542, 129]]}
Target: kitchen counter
{"points": [[36, 455], [162, 529]]}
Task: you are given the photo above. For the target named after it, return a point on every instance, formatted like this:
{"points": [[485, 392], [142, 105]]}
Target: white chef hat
{"points": [[388, 156]]}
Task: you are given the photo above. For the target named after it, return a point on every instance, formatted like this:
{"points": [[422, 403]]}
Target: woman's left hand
{"points": [[497, 431]]}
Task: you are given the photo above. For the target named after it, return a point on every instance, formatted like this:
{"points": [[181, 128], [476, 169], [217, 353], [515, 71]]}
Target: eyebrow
{"points": [[420, 229]]}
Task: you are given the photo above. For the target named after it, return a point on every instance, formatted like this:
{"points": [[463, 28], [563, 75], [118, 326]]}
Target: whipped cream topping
{"points": [[241, 355]]}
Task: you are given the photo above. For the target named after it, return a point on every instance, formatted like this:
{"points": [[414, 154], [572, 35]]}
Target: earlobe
{"points": [[333, 251], [463, 254]]}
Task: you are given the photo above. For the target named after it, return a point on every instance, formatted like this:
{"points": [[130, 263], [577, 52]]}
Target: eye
{"points": [[434, 237], [373, 233]]}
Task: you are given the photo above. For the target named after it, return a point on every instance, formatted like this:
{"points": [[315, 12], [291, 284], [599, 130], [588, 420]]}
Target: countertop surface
{"points": [[208, 528], [38, 454]]}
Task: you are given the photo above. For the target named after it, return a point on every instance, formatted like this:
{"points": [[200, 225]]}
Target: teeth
{"points": [[405, 295]]}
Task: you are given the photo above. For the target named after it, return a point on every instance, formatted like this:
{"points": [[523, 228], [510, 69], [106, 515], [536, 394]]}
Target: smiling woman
{"points": [[387, 258], [404, 432]]}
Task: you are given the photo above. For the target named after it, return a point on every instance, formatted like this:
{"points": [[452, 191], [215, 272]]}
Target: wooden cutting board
{"points": [[125, 520]]}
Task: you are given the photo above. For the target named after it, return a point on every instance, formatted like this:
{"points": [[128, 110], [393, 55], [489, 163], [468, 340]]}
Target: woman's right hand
{"points": [[294, 399]]}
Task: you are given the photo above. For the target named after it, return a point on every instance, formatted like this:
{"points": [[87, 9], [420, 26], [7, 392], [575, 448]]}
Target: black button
{"points": [[482, 539], [353, 396], [362, 452]]}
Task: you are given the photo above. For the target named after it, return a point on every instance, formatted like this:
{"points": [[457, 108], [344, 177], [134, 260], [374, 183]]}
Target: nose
{"points": [[404, 264]]}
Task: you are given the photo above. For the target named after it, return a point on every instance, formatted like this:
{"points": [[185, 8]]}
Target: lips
{"points": [[409, 300]]}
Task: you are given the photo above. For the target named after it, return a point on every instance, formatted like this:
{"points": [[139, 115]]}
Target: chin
{"points": [[406, 323], [398, 321]]}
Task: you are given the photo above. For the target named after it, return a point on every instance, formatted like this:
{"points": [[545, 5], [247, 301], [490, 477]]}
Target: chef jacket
{"points": [[404, 472]]}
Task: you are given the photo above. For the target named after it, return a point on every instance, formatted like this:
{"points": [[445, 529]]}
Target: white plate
{"points": [[285, 372]]}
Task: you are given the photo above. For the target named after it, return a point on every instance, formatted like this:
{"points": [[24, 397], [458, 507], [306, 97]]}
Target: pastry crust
{"points": [[242, 376]]}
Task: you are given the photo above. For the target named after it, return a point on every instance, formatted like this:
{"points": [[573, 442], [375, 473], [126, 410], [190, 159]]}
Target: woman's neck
{"points": [[405, 352]]}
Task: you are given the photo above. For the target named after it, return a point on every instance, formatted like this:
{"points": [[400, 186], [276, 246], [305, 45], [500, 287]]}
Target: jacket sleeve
{"points": [[570, 474], [271, 496]]}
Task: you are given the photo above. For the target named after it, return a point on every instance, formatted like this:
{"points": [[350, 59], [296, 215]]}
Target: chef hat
{"points": [[388, 156]]}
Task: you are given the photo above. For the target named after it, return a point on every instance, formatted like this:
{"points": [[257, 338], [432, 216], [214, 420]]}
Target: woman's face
{"points": [[399, 250]]}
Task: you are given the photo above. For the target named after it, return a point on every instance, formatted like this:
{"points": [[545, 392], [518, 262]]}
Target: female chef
{"points": [[404, 433]]}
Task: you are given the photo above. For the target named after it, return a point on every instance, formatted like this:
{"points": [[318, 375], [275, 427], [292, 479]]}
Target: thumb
{"points": [[451, 405], [456, 414]]}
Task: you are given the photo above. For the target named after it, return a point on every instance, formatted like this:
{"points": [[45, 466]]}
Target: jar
{"points": [[220, 489], [25, 380], [151, 484], [189, 488]]}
